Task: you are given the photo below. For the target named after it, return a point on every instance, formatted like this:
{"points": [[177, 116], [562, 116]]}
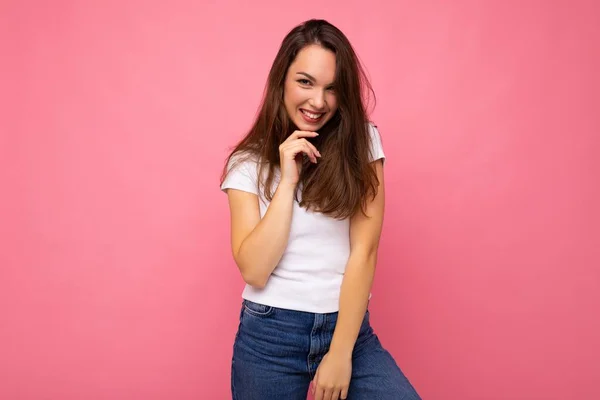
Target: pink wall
{"points": [[116, 280]]}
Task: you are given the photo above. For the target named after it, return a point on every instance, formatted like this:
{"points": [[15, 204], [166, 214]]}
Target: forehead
{"points": [[315, 61]]}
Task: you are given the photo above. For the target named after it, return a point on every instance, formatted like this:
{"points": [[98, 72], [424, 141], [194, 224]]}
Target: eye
{"points": [[331, 89], [305, 82]]}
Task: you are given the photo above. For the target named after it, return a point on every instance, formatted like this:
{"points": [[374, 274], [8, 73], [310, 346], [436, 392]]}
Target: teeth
{"points": [[313, 116]]}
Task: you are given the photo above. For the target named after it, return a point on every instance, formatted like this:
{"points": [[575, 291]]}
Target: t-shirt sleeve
{"points": [[241, 175], [376, 144]]}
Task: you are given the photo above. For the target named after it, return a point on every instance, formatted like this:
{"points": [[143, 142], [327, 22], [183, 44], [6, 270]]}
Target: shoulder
{"points": [[242, 160], [242, 172], [376, 142]]}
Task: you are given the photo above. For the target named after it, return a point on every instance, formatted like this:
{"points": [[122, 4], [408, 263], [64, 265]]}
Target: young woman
{"points": [[306, 197]]}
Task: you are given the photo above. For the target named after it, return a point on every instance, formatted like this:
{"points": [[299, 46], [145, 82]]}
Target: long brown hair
{"points": [[341, 182]]}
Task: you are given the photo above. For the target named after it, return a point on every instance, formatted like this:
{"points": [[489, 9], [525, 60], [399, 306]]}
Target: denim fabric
{"points": [[276, 354]]}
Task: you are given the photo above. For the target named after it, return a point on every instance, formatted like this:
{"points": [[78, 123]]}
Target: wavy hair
{"points": [[342, 181]]}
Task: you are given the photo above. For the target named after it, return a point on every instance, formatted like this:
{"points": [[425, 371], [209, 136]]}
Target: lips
{"points": [[311, 117]]}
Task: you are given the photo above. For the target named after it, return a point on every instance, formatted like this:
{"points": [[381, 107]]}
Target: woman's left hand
{"points": [[332, 378]]}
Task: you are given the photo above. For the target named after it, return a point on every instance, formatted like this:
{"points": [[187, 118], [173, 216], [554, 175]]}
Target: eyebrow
{"points": [[311, 77]]}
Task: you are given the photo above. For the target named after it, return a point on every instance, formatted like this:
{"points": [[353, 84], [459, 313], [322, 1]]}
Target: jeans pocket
{"points": [[257, 310]]}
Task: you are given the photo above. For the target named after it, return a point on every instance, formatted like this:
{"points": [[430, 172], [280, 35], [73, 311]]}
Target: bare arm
{"points": [[333, 376], [258, 244], [360, 271]]}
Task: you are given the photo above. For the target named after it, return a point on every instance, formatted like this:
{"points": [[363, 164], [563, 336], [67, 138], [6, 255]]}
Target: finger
{"points": [[344, 394], [292, 150], [301, 142], [310, 153], [328, 394], [301, 134], [301, 147], [319, 394], [335, 395], [310, 150], [312, 146]]}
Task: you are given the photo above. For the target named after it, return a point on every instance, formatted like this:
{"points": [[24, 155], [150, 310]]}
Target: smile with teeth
{"points": [[312, 116]]}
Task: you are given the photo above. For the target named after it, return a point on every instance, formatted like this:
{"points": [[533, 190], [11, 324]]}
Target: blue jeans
{"points": [[276, 354]]}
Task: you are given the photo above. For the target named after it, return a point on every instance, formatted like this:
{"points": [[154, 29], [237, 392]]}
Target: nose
{"points": [[318, 100]]}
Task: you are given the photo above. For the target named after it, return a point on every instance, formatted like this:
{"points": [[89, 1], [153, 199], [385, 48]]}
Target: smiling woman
{"points": [[306, 198], [309, 98]]}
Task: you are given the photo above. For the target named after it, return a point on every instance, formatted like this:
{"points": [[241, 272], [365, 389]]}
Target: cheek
{"points": [[332, 101], [294, 97]]}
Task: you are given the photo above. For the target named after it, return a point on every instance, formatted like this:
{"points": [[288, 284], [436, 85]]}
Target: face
{"points": [[308, 95]]}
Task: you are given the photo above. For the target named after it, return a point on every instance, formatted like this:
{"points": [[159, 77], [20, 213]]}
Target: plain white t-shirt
{"points": [[310, 272]]}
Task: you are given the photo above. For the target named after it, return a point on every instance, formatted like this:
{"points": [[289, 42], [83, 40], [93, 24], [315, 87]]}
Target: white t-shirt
{"points": [[310, 272]]}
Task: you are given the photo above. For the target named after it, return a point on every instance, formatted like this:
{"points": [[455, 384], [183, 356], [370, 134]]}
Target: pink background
{"points": [[116, 279]]}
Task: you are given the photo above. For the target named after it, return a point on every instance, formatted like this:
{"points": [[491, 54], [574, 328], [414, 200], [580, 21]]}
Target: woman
{"points": [[306, 197]]}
